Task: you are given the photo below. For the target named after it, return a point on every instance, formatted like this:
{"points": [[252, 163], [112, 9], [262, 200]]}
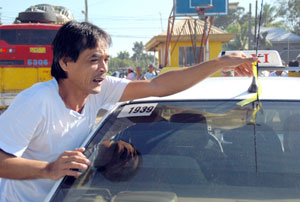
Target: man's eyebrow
{"points": [[96, 55]]}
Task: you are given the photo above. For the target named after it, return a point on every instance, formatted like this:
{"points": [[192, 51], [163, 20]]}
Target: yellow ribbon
{"points": [[255, 97], [257, 94]]}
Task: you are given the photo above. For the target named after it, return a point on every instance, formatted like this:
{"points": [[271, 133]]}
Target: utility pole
{"points": [[255, 30], [0, 16], [249, 29], [161, 24], [86, 10]]}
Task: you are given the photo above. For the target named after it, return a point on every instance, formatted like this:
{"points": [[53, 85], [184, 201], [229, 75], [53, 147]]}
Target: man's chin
{"points": [[96, 90]]}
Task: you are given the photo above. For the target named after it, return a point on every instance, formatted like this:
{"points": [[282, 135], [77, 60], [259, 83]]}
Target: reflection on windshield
{"points": [[195, 150], [115, 160]]}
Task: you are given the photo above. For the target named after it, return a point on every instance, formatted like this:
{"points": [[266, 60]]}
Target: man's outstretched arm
{"points": [[178, 80]]}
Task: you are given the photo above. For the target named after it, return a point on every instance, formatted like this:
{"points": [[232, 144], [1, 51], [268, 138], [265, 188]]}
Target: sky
{"points": [[127, 21]]}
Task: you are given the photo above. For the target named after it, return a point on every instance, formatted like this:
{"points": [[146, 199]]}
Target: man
{"points": [[293, 63], [131, 75], [139, 73], [151, 72], [42, 129]]}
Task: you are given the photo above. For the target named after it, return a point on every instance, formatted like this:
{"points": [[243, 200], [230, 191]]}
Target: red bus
{"points": [[25, 57]]}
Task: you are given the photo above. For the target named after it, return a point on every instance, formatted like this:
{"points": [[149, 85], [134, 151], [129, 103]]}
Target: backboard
{"points": [[188, 7]]}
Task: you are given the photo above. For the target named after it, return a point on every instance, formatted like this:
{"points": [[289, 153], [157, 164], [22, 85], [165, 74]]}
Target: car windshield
{"points": [[192, 150]]}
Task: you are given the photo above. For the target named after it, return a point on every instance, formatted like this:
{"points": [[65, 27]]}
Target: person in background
{"points": [[42, 131], [278, 73], [131, 75], [151, 72], [160, 67], [293, 63], [139, 73], [298, 58]]}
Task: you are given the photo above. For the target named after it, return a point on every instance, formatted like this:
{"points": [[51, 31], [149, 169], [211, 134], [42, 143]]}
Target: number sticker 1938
{"points": [[137, 110]]}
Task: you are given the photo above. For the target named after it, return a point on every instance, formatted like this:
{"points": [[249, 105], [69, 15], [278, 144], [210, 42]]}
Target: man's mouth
{"points": [[98, 79]]}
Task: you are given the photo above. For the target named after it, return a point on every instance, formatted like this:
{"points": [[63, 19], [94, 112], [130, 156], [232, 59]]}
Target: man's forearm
{"points": [[12, 167], [175, 81]]}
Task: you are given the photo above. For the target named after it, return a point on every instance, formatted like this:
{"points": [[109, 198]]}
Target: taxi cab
{"points": [[201, 144]]}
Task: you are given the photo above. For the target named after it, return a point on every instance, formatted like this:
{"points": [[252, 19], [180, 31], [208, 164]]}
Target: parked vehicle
{"points": [[119, 74], [25, 57], [25, 49]]}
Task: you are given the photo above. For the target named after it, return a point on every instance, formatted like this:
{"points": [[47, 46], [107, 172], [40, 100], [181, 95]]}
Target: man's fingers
{"points": [[73, 173], [247, 69], [74, 165], [238, 71], [66, 163], [252, 59], [70, 153], [81, 149], [79, 159]]}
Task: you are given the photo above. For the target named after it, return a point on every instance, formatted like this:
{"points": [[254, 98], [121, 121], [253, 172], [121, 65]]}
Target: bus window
{"points": [[27, 36]]}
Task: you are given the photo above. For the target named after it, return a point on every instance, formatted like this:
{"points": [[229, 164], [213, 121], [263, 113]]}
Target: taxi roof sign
{"points": [[266, 58]]}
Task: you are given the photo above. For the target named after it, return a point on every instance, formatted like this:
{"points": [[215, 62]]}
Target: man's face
{"points": [[138, 70], [150, 68], [88, 72]]}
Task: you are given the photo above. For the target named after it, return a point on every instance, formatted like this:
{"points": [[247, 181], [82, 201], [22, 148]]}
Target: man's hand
{"points": [[66, 163], [239, 62]]}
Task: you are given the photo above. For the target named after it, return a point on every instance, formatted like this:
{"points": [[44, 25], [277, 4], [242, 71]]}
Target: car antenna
{"points": [[254, 87]]}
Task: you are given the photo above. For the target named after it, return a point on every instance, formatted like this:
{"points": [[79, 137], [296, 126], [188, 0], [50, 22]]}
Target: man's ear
{"points": [[63, 62]]}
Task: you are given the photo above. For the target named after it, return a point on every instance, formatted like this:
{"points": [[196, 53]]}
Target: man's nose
{"points": [[103, 67]]}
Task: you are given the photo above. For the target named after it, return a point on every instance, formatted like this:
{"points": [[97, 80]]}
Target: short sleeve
{"points": [[19, 122]]}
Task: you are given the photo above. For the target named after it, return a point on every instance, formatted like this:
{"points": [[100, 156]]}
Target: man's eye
{"points": [[106, 60], [94, 60]]}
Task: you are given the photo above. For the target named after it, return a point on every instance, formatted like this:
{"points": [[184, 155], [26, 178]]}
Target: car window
{"points": [[192, 149]]}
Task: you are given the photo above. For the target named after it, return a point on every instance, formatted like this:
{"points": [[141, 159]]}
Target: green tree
{"points": [[270, 17], [139, 58], [238, 22], [123, 55], [234, 15], [117, 63], [290, 11], [138, 51]]}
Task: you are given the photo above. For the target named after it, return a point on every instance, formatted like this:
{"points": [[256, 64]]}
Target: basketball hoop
{"points": [[201, 9]]}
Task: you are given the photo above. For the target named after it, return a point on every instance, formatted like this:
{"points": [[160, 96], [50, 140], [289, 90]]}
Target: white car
{"points": [[119, 74], [197, 145]]}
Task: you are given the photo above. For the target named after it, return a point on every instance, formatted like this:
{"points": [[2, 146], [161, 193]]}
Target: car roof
{"points": [[236, 88]]}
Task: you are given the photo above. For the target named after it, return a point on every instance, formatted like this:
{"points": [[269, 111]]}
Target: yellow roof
{"points": [[186, 28]]}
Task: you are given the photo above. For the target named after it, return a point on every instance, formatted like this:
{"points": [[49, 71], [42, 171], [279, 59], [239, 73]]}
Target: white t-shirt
{"points": [[283, 74], [37, 125], [132, 76], [149, 75]]}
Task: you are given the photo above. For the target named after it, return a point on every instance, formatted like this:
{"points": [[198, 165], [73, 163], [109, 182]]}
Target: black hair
{"points": [[293, 63], [122, 169], [73, 38]]}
